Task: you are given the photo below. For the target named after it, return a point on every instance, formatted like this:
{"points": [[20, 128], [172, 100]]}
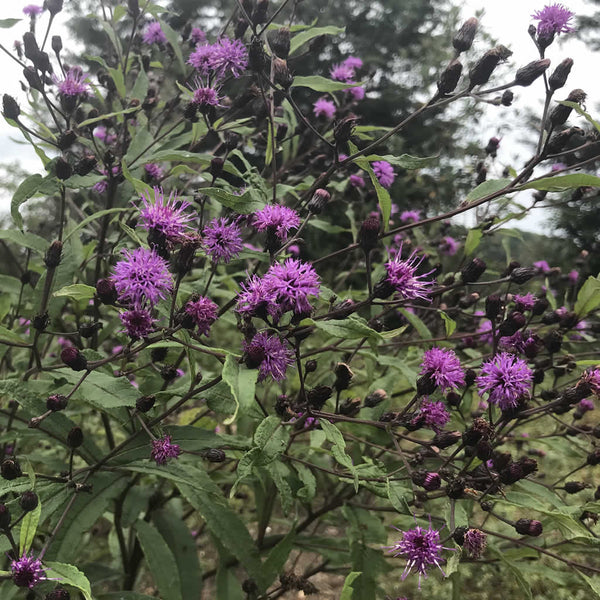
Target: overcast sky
{"points": [[505, 20]]}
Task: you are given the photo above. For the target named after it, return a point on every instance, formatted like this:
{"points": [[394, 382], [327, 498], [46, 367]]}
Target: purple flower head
{"points": [[357, 181], [485, 331], [165, 215], [27, 571], [102, 186], [514, 343], [154, 34], [102, 134], [163, 449], [281, 219], [255, 299], [553, 19], [525, 302], [402, 275], [33, 10], [270, 354], [591, 378], [422, 548], [506, 378], [324, 107], [357, 92], [153, 170], [573, 277], [410, 216], [138, 323], [292, 283], [197, 36], [142, 277], [542, 266], [205, 97], [586, 405], [384, 173], [202, 58], [229, 55], [443, 366], [434, 414], [353, 62], [222, 240], [342, 72], [203, 311], [475, 542], [73, 85], [448, 246]]}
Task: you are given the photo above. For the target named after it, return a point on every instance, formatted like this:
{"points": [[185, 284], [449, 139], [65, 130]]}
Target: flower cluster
{"points": [[506, 378]]}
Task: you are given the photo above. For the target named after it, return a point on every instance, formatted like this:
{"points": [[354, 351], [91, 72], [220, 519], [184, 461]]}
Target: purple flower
{"points": [[384, 173], [202, 58], [573, 277], [197, 36], [33, 10], [27, 571], [421, 548], [270, 354], [448, 246], [515, 342], [525, 302], [435, 415], [485, 331], [203, 311], [357, 181], [591, 377], [553, 19], [73, 85], [229, 55], [163, 449], [324, 107], [205, 97], [165, 215], [153, 170], [410, 216], [102, 186], [585, 405], [342, 72], [222, 240], [142, 277], [474, 543], [292, 283], [542, 266], [255, 299], [443, 366], [506, 378], [281, 219], [353, 62], [357, 92], [138, 323], [102, 134], [401, 274], [154, 34]]}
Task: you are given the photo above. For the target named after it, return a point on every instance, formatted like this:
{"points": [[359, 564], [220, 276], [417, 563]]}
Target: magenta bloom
{"points": [[324, 107], [102, 134], [292, 283], [542, 266], [525, 302], [138, 323], [506, 378], [591, 377], [357, 92], [401, 274], [205, 97], [474, 543], [202, 58], [342, 72], [256, 298], [142, 277], [153, 170], [553, 19], [73, 84], [585, 405], [163, 449], [357, 181], [203, 311], [33, 10], [573, 277], [154, 34], [353, 62], [448, 246], [197, 36], [281, 219], [27, 571], [384, 173], [222, 240], [435, 415], [421, 548], [272, 356], [165, 215], [102, 185], [443, 366], [410, 216], [229, 55]]}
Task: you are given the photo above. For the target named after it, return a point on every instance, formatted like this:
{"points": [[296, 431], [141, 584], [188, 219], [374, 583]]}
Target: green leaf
{"points": [[305, 36], [8, 23], [514, 569], [347, 590], [487, 188], [271, 437], [11, 338], [588, 297], [309, 488], [77, 291], [472, 242], [125, 111], [242, 382], [228, 586], [140, 88], [24, 239], [577, 108], [591, 582], [279, 473], [173, 39], [321, 84], [91, 218], [351, 328], [25, 191], [28, 528], [417, 324], [405, 161], [338, 448], [562, 182], [449, 323], [70, 575], [277, 558], [245, 204], [399, 495], [160, 559]]}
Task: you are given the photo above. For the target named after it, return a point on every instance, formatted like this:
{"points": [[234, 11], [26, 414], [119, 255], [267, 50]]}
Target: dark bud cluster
{"points": [[73, 358]]}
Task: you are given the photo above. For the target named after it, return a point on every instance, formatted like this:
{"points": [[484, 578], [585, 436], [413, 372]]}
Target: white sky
{"points": [[505, 20]]}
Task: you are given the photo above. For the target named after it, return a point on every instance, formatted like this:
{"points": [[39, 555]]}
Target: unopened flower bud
{"points": [[58, 594], [593, 458], [53, 254], [573, 487], [317, 396], [259, 14], [281, 73], [145, 403], [473, 270], [374, 398], [168, 372], [66, 139], [30, 46], [449, 78], [511, 474], [558, 141], [33, 79], [318, 201], [522, 274], [73, 358], [56, 402], [53, 6], [75, 437], [350, 407], [133, 8], [10, 469], [529, 527], [343, 376], [40, 322], [28, 501], [560, 74], [368, 234], [63, 169], [484, 67], [257, 59], [279, 41], [456, 488], [432, 482], [216, 166], [344, 128], [553, 341], [459, 535], [10, 108], [215, 455], [85, 165], [529, 73], [4, 516], [466, 34], [445, 439], [493, 306], [106, 291]]}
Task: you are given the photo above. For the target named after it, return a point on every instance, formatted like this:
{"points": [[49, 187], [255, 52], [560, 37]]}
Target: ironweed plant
{"points": [[236, 371]]}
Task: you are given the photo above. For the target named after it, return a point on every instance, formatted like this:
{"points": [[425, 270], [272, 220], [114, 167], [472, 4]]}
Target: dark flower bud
{"points": [[106, 291], [53, 254], [10, 108], [507, 98], [215, 455], [66, 139], [28, 501], [445, 439], [133, 8], [529, 73], [522, 274], [40, 322], [56, 402], [432, 482], [593, 458], [538, 376], [216, 166], [484, 450], [343, 377], [466, 34], [87, 330], [257, 59], [573, 487], [344, 129], [541, 304], [456, 488], [254, 357], [259, 14], [279, 41], [468, 300], [53, 6], [282, 406], [350, 407], [529, 465], [459, 535], [63, 169], [10, 469], [449, 78], [501, 460], [383, 289], [484, 67], [240, 28], [85, 165], [426, 385], [281, 73], [560, 74], [529, 527], [453, 399], [492, 146], [282, 131], [33, 79], [57, 44], [168, 372], [75, 437], [73, 358], [558, 141], [190, 112], [318, 201], [317, 396], [512, 323], [30, 46], [511, 474], [470, 376], [473, 270], [310, 366], [553, 341], [481, 175], [58, 594], [4, 516], [185, 257], [493, 306], [158, 354], [250, 587], [374, 398], [145, 403], [369, 234]]}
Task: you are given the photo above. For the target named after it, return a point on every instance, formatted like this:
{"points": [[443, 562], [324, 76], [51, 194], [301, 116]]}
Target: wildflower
{"points": [[102, 185], [203, 312], [434, 414], [553, 19], [542, 266], [515, 342], [506, 378], [138, 323], [256, 299], [342, 72], [526, 302], [292, 283], [357, 181], [474, 543], [154, 34], [384, 173], [73, 85], [222, 240], [270, 354], [205, 97], [573, 277], [591, 378], [202, 58], [197, 36], [102, 134], [163, 449], [357, 92], [353, 62], [448, 246], [422, 548], [229, 55], [585, 405], [281, 219], [443, 366], [27, 571], [33, 10], [153, 171], [142, 277], [165, 215], [401, 275], [410, 216], [323, 107]]}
